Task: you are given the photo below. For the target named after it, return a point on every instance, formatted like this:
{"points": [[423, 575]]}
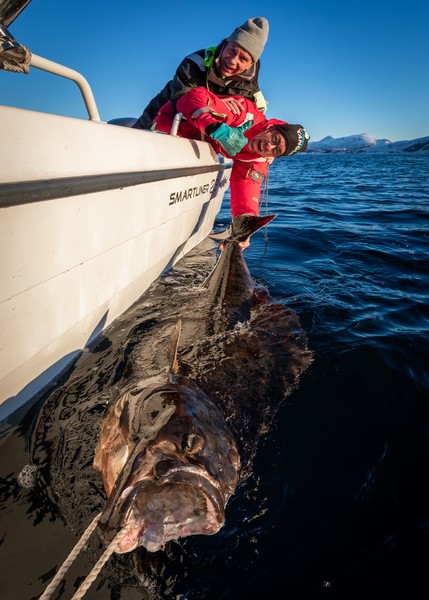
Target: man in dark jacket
{"points": [[230, 69]]}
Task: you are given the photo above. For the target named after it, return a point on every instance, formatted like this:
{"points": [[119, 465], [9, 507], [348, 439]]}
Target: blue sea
{"points": [[337, 504]]}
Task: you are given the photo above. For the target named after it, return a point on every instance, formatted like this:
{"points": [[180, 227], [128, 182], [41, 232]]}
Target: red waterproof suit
{"points": [[200, 108]]}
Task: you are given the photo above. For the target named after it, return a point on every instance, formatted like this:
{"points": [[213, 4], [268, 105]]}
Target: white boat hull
{"points": [[90, 215]]}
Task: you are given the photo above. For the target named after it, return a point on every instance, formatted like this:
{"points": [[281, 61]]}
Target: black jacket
{"points": [[200, 70]]}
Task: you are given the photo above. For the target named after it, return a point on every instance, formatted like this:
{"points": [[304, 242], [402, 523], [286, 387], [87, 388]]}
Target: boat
{"points": [[91, 213]]}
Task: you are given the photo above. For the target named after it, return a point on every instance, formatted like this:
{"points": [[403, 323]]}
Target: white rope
{"points": [[89, 580], [69, 560], [83, 588], [265, 197], [265, 191]]}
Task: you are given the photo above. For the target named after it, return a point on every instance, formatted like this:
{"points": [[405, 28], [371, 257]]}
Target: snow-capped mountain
{"points": [[363, 142]]}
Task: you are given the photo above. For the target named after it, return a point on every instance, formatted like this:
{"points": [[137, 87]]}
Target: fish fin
{"points": [[241, 228], [173, 345], [219, 236]]}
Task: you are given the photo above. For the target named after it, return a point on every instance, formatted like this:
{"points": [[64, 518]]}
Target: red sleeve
{"points": [[201, 107], [198, 100], [246, 181]]}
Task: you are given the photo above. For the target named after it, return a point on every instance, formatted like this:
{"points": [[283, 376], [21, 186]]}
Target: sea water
{"points": [[338, 501]]}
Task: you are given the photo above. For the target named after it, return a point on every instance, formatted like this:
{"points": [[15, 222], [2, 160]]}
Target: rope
{"points": [[265, 197], [83, 588], [89, 580], [265, 191], [69, 560]]}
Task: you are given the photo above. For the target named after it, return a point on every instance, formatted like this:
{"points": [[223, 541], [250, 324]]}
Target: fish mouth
{"points": [[178, 500]]}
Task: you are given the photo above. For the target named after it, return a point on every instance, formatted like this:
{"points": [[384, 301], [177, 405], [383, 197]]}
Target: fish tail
{"points": [[241, 228]]}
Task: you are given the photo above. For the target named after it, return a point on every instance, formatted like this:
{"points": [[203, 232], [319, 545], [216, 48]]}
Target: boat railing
{"points": [[57, 69], [16, 57], [176, 122]]}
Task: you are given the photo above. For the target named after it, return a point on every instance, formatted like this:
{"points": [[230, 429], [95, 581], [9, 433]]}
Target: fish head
{"points": [[178, 470]]}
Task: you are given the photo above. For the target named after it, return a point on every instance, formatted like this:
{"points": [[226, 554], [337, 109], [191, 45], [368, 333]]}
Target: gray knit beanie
{"points": [[251, 36]]}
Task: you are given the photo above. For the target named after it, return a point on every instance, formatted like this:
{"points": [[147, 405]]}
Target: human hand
{"points": [[245, 244], [231, 139], [235, 105]]}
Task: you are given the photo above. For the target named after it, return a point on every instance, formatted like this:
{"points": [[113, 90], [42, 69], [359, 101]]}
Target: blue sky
{"points": [[337, 67]]}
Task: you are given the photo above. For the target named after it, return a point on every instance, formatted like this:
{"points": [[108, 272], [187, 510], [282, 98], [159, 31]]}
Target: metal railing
{"points": [[52, 67]]}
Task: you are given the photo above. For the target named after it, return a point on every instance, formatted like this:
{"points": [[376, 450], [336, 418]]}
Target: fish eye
{"points": [[192, 443]]}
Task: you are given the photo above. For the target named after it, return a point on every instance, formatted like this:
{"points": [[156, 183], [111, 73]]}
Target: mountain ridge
{"points": [[366, 143]]}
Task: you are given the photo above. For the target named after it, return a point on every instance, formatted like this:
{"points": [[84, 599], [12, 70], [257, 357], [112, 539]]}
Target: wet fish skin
{"points": [[169, 463], [169, 460]]}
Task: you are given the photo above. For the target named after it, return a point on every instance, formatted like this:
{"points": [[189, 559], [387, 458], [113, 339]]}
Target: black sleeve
{"points": [[151, 110], [188, 76]]}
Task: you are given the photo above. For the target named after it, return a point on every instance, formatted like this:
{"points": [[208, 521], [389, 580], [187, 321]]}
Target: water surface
{"points": [[338, 501]]}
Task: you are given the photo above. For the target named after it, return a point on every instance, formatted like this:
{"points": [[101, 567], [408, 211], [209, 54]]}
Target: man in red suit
{"points": [[252, 140]]}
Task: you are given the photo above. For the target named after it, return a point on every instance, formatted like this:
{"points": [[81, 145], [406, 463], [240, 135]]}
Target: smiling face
{"points": [[268, 143], [234, 60]]}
